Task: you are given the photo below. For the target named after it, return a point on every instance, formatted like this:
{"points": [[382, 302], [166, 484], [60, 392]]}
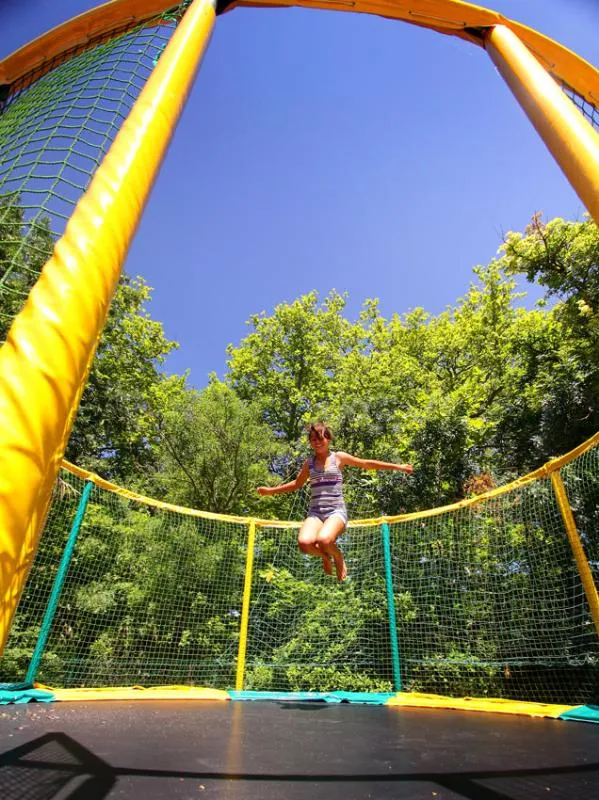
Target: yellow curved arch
{"points": [[450, 17]]}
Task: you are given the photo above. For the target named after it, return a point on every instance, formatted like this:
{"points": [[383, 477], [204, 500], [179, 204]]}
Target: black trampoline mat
{"points": [[188, 750]]}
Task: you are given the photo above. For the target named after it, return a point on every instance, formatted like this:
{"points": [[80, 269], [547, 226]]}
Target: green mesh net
{"points": [[581, 479], [493, 602], [308, 632], [150, 597], [589, 110], [56, 125], [486, 598]]}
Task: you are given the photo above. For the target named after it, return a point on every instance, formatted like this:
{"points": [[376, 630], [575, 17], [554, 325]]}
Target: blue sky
{"points": [[325, 150]]}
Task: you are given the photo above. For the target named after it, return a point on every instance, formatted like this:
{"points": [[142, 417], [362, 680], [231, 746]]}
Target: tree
{"points": [[25, 246], [286, 366], [213, 450], [115, 423], [117, 419], [563, 257]]}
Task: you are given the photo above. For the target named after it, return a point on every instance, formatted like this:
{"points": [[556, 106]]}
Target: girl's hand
{"points": [[407, 468], [262, 490]]}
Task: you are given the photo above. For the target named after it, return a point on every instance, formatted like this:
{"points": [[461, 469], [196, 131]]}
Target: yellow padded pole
{"points": [[50, 346], [582, 563], [245, 609], [572, 141]]}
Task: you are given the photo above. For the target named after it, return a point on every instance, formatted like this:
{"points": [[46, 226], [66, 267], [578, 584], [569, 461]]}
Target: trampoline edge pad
{"points": [[582, 714], [140, 693], [492, 705]]}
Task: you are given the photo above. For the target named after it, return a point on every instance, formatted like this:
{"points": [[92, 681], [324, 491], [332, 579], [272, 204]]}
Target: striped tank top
{"points": [[326, 488]]}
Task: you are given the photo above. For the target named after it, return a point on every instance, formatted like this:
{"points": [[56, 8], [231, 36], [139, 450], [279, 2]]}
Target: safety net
{"points": [[484, 598], [56, 125]]}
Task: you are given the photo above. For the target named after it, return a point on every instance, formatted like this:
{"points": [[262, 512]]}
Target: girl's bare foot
{"points": [[341, 568], [326, 565]]}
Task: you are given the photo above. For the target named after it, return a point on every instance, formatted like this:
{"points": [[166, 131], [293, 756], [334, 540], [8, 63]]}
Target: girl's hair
{"points": [[320, 430]]}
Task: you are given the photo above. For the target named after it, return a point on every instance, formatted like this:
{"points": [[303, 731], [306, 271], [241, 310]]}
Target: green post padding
{"points": [[582, 714], [58, 584], [391, 607], [374, 698], [15, 687], [23, 693]]}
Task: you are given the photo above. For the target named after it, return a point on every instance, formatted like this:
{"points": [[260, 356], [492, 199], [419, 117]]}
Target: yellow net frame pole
{"points": [[245, 610], [582, 563], [50, 346], [572, 140]]}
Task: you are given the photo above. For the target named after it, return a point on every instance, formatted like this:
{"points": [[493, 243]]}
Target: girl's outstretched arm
{"points": [[292, 486], [345, 459]]}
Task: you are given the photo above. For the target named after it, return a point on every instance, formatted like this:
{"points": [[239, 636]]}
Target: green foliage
{"points": [[116, 421], [212, 451], [287, 364], [472, 397], [563, 257], [485, 387], [116, 424], [25, 246], [148, 595], [457, 674], [305, 655]]}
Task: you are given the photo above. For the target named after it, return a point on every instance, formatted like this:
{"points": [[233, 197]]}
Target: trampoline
{"points": [[536, 642], [291, 750]]}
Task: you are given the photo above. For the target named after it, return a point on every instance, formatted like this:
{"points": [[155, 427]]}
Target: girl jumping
{"points": [[327, 514]]}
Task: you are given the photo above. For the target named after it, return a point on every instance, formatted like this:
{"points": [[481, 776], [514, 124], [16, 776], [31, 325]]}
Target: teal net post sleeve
{"points": [[391, 607], [63, 568]]}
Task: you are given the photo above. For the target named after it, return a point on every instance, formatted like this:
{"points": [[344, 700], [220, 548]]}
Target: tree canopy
{"points": [[485, 391], [487, 387]]}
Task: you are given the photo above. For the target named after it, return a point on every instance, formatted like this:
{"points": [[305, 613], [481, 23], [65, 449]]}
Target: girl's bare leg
{"points": [[332, 528], [308, 542]]}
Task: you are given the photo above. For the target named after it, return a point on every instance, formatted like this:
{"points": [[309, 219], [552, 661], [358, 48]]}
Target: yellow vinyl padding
{"points": [[137, 693], [489, 705]]}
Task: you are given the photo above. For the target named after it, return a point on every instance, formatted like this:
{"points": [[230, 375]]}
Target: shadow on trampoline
{"points": [[302, 706], [44, 768]]}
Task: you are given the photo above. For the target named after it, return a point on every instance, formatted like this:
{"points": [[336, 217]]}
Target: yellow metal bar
{"points": [[50, 346], [582, 563], [245, 610], [572, 141], [539, 474], [150, 501]]}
